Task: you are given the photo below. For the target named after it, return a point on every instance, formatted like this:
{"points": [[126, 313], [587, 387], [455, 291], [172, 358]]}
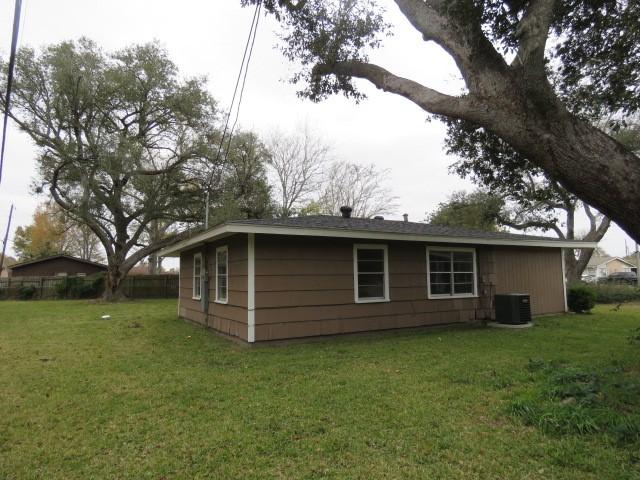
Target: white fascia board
{"points": [[228, 229], [406, 237], [175, 249]]}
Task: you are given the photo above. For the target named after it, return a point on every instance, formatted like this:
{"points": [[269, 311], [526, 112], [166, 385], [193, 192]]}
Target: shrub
{"points": [[26, 292], [64, 286], [80, 287], [612, 293], [581, 299]]}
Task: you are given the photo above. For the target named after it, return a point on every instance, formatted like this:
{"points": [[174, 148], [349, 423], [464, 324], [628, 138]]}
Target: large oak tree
{"points": [[532, 200], [116, 134], [537, 73]]}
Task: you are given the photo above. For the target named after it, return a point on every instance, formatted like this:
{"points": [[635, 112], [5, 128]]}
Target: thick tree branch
{"points": [[532, 224], [139, 255], [474, 54], [427, 98], [532, 33]]}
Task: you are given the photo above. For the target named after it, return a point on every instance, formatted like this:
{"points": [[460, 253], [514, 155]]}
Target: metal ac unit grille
{"points": [[513, 308]]}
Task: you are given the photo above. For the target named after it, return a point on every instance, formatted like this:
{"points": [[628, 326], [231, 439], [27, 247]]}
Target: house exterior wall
{"points": [[616, 265], [304, 286], [536, 271], [229, 318], [55, 266]]}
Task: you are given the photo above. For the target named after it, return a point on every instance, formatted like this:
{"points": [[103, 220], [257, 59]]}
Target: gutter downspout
{"points": [[251, 287], [179, 283], [205, 286], [564, 280]]}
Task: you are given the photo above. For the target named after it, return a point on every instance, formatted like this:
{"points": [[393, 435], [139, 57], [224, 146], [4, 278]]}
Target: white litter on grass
{"points": [[105, 317]]}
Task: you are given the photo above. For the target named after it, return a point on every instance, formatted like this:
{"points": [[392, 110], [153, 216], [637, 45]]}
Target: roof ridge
{"points": [[50, 257], [452, 229]]}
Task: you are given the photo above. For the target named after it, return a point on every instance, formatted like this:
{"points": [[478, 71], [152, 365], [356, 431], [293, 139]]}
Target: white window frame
{"points": [[225, 249], [370, 246], [452, 295], [196, 256]]}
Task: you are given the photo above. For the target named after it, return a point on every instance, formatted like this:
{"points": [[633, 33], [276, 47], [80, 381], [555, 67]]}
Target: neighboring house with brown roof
{"points": [[275, 279], [55, 265], [600, 267]]}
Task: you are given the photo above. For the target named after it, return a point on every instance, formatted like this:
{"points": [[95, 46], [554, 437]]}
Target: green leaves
{"points": [[477, 210], [122, 139], [320, 32]]}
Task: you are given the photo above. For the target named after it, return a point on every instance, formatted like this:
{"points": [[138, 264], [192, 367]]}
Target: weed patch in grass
{"points": [[571, 400]]}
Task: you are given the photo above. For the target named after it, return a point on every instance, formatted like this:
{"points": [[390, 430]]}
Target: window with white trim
{"points": [[197, 276], [222, 274], [451, 272], [371, 273]]}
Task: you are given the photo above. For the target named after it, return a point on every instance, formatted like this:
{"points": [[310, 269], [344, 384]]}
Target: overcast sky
{"points": [[207, 38]]}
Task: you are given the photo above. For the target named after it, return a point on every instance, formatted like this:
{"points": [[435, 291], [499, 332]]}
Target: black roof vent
{"points": [[378, 217], [346, 211]]}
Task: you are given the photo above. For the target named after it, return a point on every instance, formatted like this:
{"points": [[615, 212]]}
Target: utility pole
{"points": [[12, 61], [6, 238]]}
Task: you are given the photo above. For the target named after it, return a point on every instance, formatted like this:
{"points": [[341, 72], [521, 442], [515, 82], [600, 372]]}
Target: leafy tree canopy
{"points": [[477, 210], [243, 189], [119, 136], [45, 236], [598, 40], [538, 73], [53, 232]]}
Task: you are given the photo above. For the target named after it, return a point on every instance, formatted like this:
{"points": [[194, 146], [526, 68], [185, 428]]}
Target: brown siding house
{"points": [[270, 279], [56, 265]]}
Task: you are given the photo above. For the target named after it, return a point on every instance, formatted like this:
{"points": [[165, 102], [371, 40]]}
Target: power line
{"points": [[12, 61], [244, 80], [247, 47], [244, 67]]}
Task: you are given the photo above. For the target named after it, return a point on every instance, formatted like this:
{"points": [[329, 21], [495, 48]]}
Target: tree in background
{"points": [[82, 242], [297, 161], [537, 74], [44, 237], [244, 190], [477, 210], [116, 133], [362, 187], [156, 230], [52, 232]]}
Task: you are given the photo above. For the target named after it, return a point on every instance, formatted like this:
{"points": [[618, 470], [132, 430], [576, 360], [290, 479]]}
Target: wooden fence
{"points": [[135, 286]]}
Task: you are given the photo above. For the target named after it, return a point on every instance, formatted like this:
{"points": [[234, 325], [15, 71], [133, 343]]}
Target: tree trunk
{"points": [[155, 264], [588, 163], [574, 267], [113, 285], [571, 272]]}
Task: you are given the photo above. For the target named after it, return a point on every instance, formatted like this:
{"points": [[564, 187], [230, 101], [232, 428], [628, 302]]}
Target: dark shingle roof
{"points": [[52, 257], [384, 226]]}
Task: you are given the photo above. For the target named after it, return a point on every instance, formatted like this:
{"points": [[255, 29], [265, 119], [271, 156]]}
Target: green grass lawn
{"points": [[145, 395]]}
